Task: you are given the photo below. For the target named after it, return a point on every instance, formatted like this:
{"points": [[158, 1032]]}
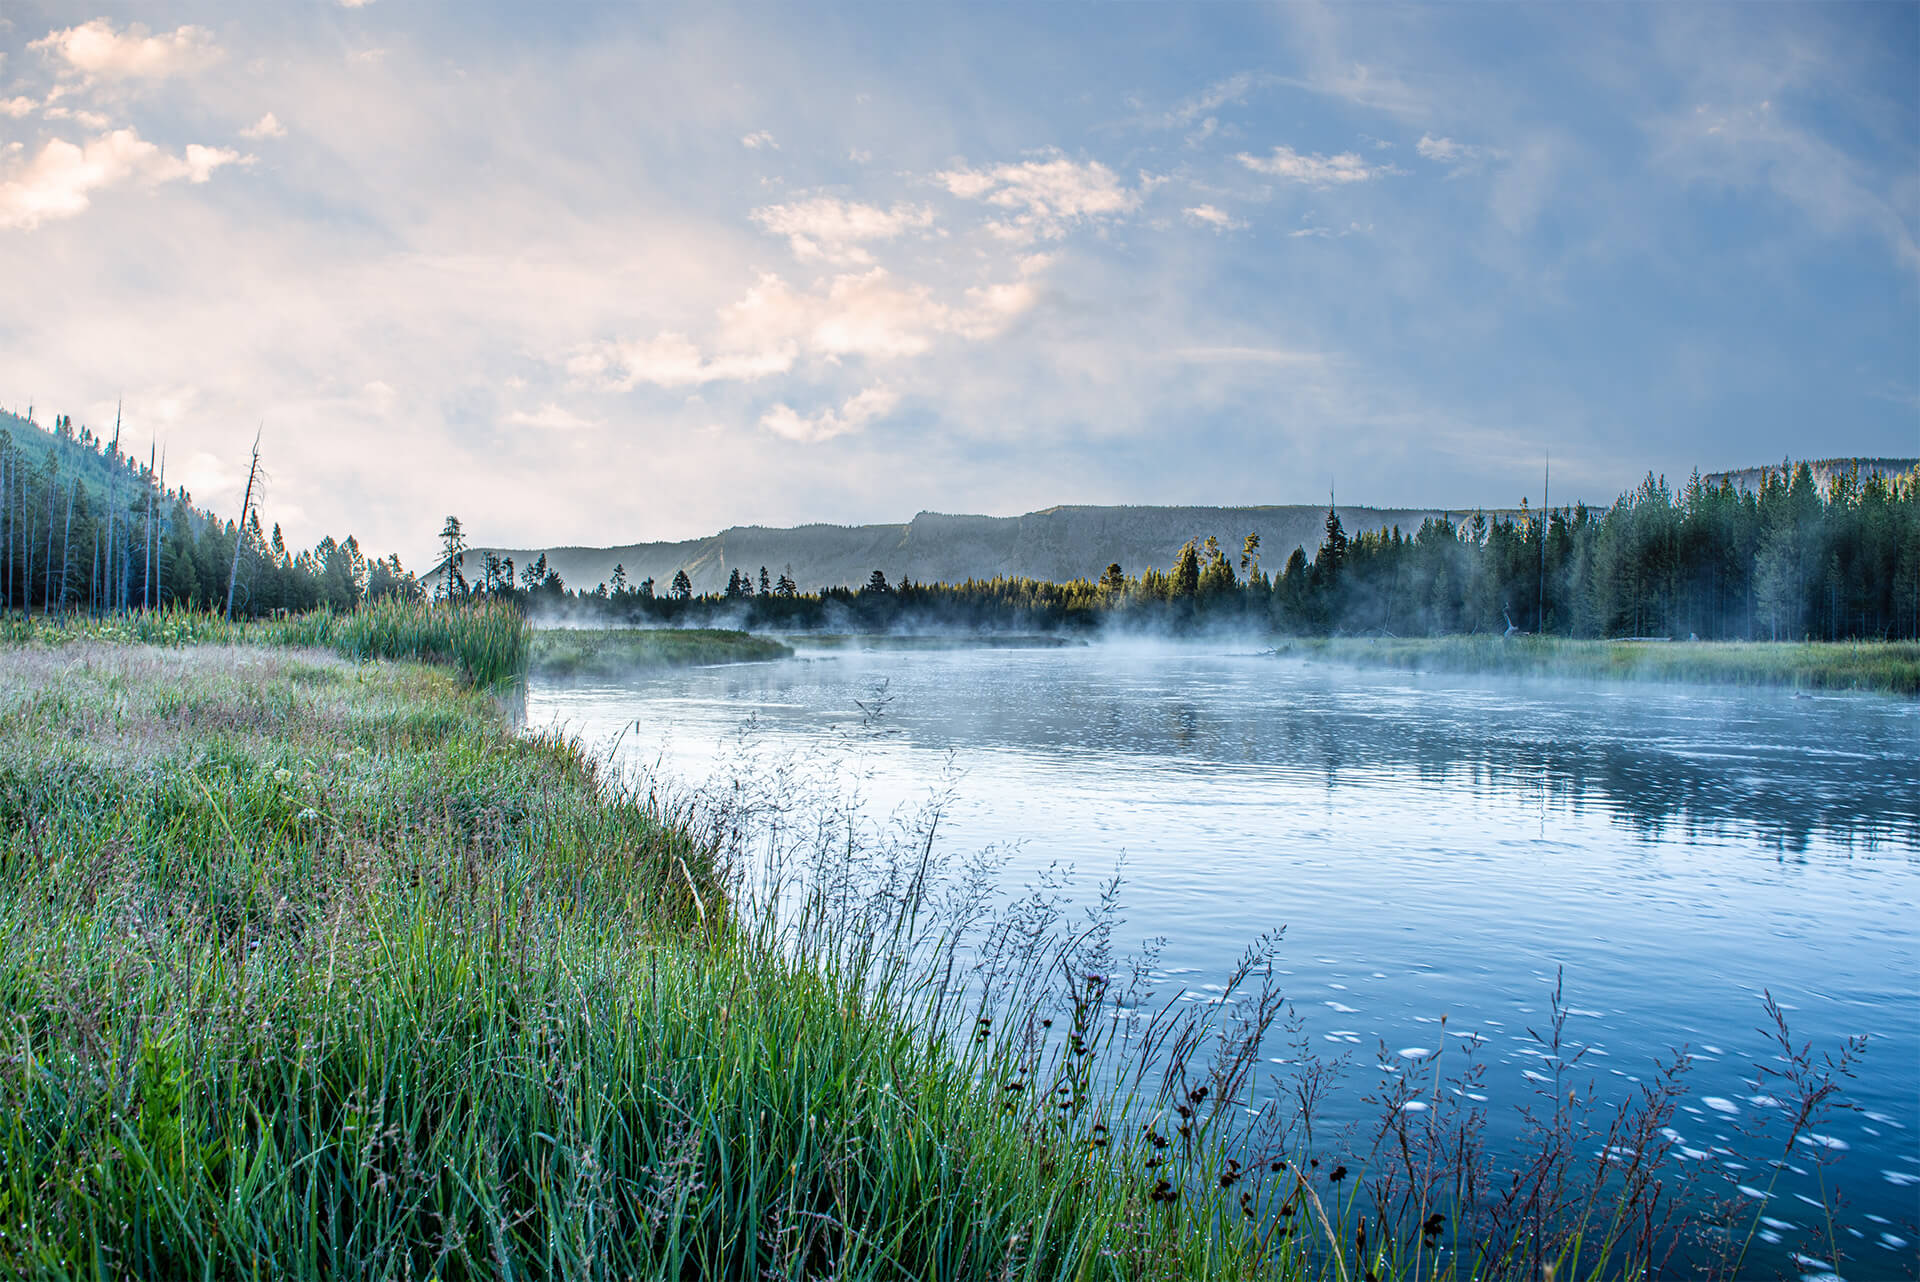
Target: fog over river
{"points": [[1432, 845]]}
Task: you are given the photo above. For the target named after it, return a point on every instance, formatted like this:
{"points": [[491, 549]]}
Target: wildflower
{"points": [[1337, 1174]]}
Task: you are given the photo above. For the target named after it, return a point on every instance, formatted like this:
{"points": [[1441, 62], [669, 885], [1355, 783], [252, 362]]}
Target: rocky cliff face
{"points": [[1059, 543]]}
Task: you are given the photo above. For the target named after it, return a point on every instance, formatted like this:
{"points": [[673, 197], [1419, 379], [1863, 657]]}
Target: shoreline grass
{"points": [[933, 640], [317, 968], [1887, 667], [564, 654]]}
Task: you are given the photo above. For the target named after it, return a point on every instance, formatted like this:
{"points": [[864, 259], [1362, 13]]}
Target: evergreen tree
{"points": [[453, 544]]}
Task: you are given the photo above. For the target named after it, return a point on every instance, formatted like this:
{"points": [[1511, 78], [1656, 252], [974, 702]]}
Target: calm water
{"points": [[1433, 845]]}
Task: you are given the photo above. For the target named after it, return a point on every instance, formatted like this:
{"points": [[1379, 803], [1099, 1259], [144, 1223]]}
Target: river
{"points": [[1433, 845]]}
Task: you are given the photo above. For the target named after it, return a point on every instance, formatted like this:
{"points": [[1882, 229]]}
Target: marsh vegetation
{"points": [[314, 965]]}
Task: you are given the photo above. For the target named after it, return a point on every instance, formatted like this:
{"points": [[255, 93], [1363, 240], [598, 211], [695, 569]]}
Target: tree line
{"points": [[1789, 559], [87, 527]]}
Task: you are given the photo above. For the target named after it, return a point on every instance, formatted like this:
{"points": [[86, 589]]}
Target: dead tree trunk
{"points": [[240, 530]]}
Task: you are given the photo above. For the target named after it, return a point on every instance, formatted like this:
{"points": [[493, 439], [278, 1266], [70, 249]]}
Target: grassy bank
{"points": [[568, 653], [1891, 667], [956, 640], [486, 642], [314, 969]]}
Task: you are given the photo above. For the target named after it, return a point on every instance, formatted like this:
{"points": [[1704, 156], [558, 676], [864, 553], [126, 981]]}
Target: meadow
{"points": [[1891, 667], [316, 968], [607, 653]]}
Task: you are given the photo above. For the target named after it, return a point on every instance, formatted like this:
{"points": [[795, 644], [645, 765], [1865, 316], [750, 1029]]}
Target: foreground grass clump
{"points": [[567, 653], [1889, 666], [315, 969], [486, 640]]}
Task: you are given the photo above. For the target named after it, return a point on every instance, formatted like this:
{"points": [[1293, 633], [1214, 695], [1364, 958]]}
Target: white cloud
{"points": [[869, 315], [1232, 90], [268, 126], [80, 116], [1315, 170], [671, 360], [1044, 195], [18, 108], [355, 4], [1215, 217], [551, 418], [823, 227], [1464, 157], [98, 52], [757, 139], [860, 410], [60, 180]]}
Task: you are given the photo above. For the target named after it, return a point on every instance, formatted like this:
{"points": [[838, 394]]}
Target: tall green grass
{"points": [[488, 641], [1891, 667], [314, 969], [577, 653]]}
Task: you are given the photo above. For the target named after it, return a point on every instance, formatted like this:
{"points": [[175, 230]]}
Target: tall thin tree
{"points": [[240, 530], [66, 542], [146, 539], [113, 504]]}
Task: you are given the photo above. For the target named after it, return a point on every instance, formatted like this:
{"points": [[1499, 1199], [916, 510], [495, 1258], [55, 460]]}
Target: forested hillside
{"points": [[1787, 559], [1056, 544], [86, 525]]}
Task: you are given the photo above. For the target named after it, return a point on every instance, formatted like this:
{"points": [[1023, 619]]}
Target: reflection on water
{"points": [[1433, 845]]}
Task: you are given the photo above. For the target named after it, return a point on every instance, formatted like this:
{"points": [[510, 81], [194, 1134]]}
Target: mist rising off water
{"points": [[1433, 845]]}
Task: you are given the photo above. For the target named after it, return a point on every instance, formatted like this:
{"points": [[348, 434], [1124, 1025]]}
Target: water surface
{"points": [[1432, 845]]}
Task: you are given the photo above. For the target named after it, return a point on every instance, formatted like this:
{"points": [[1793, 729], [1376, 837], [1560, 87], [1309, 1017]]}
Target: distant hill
{"points": [[1057, 544], [1749, 478]]}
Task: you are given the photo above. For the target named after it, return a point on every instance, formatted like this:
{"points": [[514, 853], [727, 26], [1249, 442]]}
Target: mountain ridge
{"points": [[1058, 543]]}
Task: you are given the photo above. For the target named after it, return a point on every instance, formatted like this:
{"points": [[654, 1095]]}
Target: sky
{"points": [[604, 273]]}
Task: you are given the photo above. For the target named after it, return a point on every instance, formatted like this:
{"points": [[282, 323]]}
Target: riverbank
{"points": [[314, 968], [564, 654], [1890, 667]]}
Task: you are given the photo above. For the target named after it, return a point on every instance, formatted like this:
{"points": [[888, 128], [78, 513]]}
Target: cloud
{"points": [[80, 116], [17, 108], [97, 52], [59, 181], [355, 4], [1215, 217], [1248, 356], [859, 410], [551, 418], [869, 315], [268, 126], [1759, 147], [671, 360], [823, 227], [1230, 90], [1045, 196], [757, 139], [1464, 157], [1315, 170]]}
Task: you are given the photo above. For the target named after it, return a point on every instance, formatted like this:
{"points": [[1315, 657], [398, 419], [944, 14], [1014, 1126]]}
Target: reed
{"points": [[315, 968], [487, 641], [1890, 667], [609, 653]]}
